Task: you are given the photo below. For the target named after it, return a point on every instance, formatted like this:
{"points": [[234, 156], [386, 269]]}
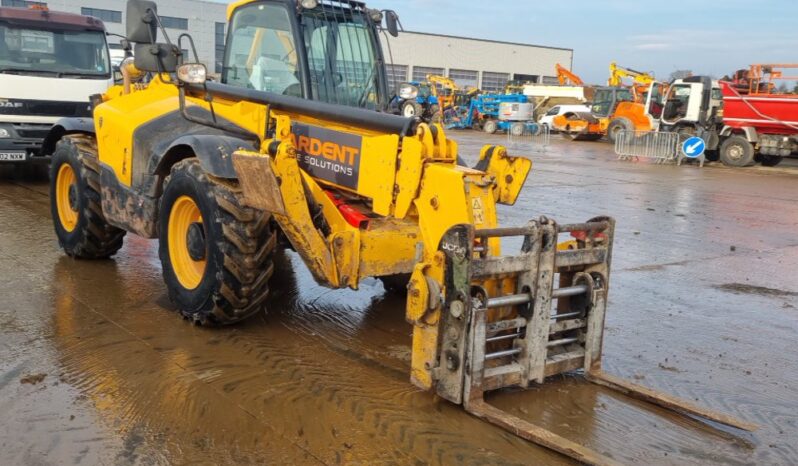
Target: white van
{"points": [[547, 119]]}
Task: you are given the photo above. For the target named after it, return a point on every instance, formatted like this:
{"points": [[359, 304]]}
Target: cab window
{"points": [[678, 99], [262, 54], [553, 112]]}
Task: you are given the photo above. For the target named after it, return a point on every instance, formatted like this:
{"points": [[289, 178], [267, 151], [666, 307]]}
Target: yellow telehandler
{"points": [[294, 149]]}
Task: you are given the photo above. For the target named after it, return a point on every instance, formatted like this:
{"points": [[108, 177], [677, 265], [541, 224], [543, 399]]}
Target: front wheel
{"points": [[490, 126], [617, 126], [517, 129], [736, 151], [411, 109], [75, 201], [217, 255]]}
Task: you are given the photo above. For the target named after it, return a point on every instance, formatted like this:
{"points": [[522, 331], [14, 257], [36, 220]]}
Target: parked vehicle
{"points": [[740, 126], [593, 125], [417, 99], [496, 112], [50, 64], [547, 120]]}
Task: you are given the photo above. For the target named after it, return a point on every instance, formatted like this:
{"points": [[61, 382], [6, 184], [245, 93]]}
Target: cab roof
{"points": [[231, 7], [32, 17]]}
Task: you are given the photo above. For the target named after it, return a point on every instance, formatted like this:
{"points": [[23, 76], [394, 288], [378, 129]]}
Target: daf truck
{"points": [[50, 65]]}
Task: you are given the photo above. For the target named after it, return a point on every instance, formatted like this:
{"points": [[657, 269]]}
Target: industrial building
{"points": [[486, 64]]}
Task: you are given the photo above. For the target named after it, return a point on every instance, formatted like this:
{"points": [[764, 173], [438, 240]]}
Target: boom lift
{"points": [[225, 173]]}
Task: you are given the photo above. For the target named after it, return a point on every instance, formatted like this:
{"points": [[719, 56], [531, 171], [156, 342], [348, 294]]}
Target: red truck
{"points": [[743, 119]]}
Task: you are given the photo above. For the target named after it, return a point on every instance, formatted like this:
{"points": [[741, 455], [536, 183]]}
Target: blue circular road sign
{"points": [[694, 147]]}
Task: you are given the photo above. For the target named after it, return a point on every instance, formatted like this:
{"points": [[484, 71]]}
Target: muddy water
{"points": [[703, 305]]}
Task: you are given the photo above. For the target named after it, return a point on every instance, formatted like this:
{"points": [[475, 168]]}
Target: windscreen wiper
{"points": [[27, 70], [82, 75]]}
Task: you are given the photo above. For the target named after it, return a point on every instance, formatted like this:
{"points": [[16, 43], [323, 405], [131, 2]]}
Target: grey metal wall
{"points": [[457, 53]]}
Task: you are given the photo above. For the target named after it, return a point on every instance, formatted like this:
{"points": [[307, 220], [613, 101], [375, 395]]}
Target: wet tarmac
{"points": [[96, 368]]}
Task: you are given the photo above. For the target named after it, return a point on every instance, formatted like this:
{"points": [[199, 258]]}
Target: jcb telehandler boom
{"points": [[288, 151]]}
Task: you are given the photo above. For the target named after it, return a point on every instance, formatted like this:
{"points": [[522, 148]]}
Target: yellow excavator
{"points": [[641, 80], [444, 89], [294, 148]]}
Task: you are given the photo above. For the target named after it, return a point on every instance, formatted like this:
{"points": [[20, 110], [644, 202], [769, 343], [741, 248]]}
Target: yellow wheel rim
{"points": [[188, 271], [66, 183]]}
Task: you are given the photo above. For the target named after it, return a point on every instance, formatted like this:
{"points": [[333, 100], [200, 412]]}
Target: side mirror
{"points": [[156, 58], [141, 22], [192, 73], [392, 22]]}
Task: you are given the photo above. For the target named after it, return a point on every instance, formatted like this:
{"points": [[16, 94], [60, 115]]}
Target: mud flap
{"points": [[260, 185]]}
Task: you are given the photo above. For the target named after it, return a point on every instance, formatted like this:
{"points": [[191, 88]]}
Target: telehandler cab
{"points": [[292, 149]]}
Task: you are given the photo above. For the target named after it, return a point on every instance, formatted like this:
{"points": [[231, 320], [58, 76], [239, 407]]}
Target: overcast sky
{"points": [[708, 37]]}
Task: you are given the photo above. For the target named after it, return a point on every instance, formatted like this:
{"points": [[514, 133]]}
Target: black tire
{"points": [[490, 126], [770, 160], [518, 129], [239, 245], [736, 151], [616, 126], [91, 237], [412, 109]]}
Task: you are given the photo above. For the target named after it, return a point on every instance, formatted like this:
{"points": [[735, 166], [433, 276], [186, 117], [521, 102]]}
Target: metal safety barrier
{"points": [[533, 138], [663, 147]]}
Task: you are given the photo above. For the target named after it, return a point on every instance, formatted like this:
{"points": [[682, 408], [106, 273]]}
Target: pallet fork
{"points": [[539, 341]]}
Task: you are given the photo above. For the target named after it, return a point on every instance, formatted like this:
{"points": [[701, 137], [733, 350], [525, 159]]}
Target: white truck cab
{"points": [[50, 65]]}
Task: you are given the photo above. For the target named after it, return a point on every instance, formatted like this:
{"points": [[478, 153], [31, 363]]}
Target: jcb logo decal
{"points": [[330, 155]]}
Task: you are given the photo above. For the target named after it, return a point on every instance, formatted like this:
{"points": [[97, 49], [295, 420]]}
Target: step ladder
{"points": [[555, 324]]}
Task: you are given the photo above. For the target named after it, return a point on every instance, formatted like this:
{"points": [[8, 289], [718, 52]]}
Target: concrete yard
{"points": [[96, 368]]}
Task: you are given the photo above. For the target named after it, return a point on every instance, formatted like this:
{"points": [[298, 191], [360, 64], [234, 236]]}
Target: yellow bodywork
{"points": [[414, 189]]}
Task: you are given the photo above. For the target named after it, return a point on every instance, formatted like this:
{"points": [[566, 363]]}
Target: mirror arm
{"points": [[186, 35]]}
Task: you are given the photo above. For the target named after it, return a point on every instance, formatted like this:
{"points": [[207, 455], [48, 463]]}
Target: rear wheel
{"points": [[217, 255], [411, 109], [75, 201], [490, 126], [618, 125], [736, 151]]}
